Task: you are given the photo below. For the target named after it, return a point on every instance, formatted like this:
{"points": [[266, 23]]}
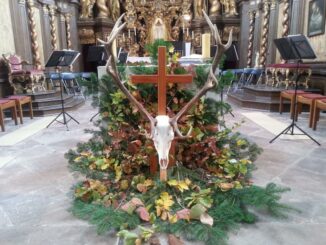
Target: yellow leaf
{"points": [[173, 218], [77, 159], [118, 172], [104, 166], [172, 182], [85, 154]]}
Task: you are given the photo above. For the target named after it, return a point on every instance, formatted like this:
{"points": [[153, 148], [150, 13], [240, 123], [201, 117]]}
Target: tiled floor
{"points": [[35, 187]]}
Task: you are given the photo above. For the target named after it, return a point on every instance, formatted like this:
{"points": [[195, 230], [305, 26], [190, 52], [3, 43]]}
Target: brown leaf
{"points": [[136, 201], [143, 213], [183, 214], [173, 240], [154, 241], [128, 207], [142, 188]]}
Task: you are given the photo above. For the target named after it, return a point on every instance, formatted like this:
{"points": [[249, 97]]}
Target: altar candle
{"points": [[129, 33], [123, 37], [114, 47], [192, 35], [183, 27], [206, 45], [135, 31], [187, 32]]}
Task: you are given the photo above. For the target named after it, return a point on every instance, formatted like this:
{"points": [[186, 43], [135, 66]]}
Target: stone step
{"points": [[39, 103], [245, 100], [44, 95], [75, 103]]}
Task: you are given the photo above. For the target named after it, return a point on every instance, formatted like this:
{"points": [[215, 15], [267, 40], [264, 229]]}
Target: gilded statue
{"points": [[199, 5], [86, 9], [175, 33], [103, 11], [114, 6], [215, 7], [230, 7]]}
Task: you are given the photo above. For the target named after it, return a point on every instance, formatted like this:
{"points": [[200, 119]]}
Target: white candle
{"points": [[187, 32], [123, 37], [114, 47], [135, 30], [183, 27], [192, 35], [129, 33], [206, 45]]}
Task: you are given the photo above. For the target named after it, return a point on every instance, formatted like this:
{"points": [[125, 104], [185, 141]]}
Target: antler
{"points": [[211, 80], [111, 68]]}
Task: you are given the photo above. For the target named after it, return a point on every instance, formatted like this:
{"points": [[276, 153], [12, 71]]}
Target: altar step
{"points": [[49, 103], [261, 98]]}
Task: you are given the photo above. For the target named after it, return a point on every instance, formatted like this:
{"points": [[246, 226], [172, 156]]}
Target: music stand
{"points": [[57, 59], [97, 54], [295, 47]]}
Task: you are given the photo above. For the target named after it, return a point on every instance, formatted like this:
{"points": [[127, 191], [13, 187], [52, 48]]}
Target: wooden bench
{"points": [[319, 105], [4, 105], [21, 100]]}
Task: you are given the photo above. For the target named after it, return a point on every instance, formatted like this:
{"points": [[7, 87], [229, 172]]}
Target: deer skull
{"points": [[163, 134]]}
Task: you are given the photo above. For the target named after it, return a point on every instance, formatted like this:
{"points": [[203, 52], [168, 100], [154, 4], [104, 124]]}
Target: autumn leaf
{"points": [[206, 219], [165, 201], [183, 214], [180, 185], [118, 172], [143, 214]]}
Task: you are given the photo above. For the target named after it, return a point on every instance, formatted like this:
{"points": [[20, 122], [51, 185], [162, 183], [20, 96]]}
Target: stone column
{"points": [[273, 28], [297, 11], [68, 31], [32, 24], [252, 16], [286, 18], [264, 41], [53, 27]]}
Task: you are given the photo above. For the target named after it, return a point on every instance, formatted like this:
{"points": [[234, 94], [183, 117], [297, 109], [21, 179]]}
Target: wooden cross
{"points": [[162, 79]]}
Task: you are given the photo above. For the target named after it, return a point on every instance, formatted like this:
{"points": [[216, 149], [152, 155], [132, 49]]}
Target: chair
{"points": [[23, 80], [319, 105], [71, 83], [289, 95], [308, 99], [21, 100], [4, 105]]}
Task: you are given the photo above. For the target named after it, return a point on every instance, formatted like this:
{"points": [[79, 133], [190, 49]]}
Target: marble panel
{"points": [[7, 41]]}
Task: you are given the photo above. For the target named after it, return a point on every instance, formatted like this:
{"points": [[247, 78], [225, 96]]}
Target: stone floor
{"points": [[35, 187]]}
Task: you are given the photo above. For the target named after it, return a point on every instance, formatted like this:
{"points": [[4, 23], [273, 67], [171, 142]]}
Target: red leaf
{"points": [[183, 214], [143, 213]]}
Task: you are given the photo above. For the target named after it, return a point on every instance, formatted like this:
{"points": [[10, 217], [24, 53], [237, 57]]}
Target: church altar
{"points": [[148, 20]]}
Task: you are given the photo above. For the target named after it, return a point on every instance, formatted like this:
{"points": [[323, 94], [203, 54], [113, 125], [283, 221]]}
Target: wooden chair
{"points": [[21, 100], [319, 105], [308, 99], [289, 95], [4, 105]]}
